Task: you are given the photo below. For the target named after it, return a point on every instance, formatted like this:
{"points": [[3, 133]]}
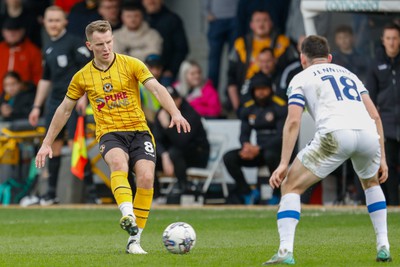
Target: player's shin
{"points": [[142, 204], [376, 204], [288, 216], [122, 192]]}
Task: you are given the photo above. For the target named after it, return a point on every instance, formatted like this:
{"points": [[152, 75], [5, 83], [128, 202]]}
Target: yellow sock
{"points": [[120, 187], [141, 205]]}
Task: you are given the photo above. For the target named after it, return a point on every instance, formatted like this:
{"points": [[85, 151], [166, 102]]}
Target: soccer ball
{"points": [[179, 238]]}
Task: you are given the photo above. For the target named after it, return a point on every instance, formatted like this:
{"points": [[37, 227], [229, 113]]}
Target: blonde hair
{"points": [[183, 87], [55, 8], [97, 26]]}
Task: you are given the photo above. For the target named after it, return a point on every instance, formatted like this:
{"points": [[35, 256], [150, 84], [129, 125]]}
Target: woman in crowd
{"points": [[198, 91]]}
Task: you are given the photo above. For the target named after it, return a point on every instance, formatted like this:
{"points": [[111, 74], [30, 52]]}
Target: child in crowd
{"points": [[17, 99]]}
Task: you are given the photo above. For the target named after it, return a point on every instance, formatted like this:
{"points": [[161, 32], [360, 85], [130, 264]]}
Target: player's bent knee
{"points": [[118, 164], [145, 180], [368, 183]]}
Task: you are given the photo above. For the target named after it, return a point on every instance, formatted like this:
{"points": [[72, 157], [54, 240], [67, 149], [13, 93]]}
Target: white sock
{"points": [[288, 217], [137, 236], [126, 208], [376, 204]]}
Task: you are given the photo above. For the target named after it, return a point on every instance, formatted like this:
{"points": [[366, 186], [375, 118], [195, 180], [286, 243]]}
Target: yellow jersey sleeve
{"points": [[76, 88], [140, 70]]}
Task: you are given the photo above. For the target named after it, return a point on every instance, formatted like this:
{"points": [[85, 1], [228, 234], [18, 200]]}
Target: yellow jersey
{"points": [[282, 43], [113, 93]]}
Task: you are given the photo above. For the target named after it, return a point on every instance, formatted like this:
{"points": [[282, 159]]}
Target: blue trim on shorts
{"points": [[381, 205], [288, 214]]}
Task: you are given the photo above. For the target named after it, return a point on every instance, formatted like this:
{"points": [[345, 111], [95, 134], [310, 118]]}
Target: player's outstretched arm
{"points": [[374, 114], [60, 118], [166, 101]]}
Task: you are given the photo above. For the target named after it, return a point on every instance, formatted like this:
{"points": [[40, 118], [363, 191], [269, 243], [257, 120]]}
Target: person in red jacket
{"points": [[66, 5], [19, 54]]}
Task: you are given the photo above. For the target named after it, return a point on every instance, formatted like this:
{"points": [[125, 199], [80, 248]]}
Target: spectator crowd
{"points": [[42, 44]]}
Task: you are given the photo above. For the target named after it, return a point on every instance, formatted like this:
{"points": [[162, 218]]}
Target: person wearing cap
{"points": [[19, 54], [265, 113], [135, 38], [155, 65], [177, 152]]}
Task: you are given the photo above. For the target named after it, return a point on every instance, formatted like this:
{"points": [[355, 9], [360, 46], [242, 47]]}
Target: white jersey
{"points": [[332, 95]]}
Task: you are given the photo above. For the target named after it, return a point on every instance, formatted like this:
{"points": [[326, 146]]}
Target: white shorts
{"points": [[326, 152]]}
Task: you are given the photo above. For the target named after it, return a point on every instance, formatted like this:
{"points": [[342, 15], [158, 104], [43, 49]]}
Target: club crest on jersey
{"points": [[107, 87], [269, 116], [101, 149]]}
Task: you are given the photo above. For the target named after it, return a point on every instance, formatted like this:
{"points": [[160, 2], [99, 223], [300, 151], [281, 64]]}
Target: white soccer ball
{"points": [[179, 238]]}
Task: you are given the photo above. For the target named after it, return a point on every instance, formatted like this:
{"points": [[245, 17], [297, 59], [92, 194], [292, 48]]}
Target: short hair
{"points": [[97, 26], [261, 10], [267, 49], [344, 29], [133, 6], [12, 74], [55, 8], [391, 26], [315, 46]]}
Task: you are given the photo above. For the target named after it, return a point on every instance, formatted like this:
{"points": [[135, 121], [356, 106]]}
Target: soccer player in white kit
{"points": [[348, 127]]}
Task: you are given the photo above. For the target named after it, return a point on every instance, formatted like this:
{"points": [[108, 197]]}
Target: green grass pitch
{"points": [[226, 236]]}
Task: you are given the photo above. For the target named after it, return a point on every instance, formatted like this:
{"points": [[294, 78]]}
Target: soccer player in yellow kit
{"points": [[110, 81]]}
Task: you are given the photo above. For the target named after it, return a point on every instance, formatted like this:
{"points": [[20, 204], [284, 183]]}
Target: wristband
{"points": [[33, 107]]}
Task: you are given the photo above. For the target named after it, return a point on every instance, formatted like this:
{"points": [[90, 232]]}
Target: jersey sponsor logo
{"points": [[113, 101], [62, 61]]}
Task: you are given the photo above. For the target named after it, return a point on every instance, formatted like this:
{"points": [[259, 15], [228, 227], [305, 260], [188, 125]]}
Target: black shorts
{"points": [[138, 145]]}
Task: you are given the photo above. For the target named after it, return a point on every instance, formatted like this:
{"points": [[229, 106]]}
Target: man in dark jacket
{"points": [[242, 58], [266, 114], [178, 152], [64, 55], [383, 82], [175, 44]]}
